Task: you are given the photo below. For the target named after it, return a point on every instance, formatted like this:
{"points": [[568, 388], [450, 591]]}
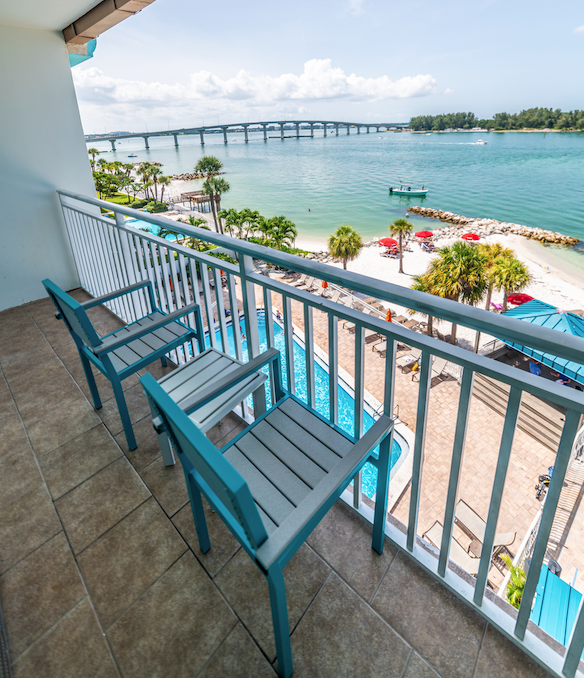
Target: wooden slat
{"points": [[273, 502], [293, 452], [321, 455], [326, 434], [269, 465]]}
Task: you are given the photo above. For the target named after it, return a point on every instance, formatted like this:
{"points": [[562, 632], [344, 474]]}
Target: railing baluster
{"points": [[457, 452], [74, 240], [575, 645], [420, 439], [190, 319], [150, 262], [105, 283], [309, 354], [143, 273], [359, 393], [333, 342], [156, 254], [130, 252], [102, 235], [270, 339], [549, 510], [289, 342], [163, 252], [221, 309], [234, 316], [208, 304], [498, 485], [251, 323], [122, 278]]}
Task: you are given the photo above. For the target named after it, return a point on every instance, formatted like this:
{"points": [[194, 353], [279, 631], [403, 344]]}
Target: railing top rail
{"points": [[547, 340]]}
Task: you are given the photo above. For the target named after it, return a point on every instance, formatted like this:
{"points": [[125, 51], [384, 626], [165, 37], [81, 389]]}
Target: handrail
{"points": [[547, 340]]}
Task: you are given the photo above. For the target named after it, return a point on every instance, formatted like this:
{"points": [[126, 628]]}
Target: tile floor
{"points": [[101, 574]]}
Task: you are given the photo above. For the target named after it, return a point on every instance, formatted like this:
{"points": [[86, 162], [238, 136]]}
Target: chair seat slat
{"points": [[276, 471], [126, 355], [321, 455], [177, 377], [165, 335], [296, 451], [265, 494], [202, 379], [318, 428]]}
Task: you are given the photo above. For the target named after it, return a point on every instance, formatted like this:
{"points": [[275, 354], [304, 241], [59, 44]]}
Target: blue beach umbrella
{"points": [[545, 315]]}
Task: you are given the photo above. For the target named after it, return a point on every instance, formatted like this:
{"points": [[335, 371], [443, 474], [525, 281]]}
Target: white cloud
{"points": [[579, 29], [356, 6], [318, 81], [448, 91]]}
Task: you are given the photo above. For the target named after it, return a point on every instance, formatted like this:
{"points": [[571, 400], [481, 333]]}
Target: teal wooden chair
{"points": [[122, 353], [275, 481]]}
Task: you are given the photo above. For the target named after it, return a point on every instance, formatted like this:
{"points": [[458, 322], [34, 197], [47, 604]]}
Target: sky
{"points": [[183, 63]]}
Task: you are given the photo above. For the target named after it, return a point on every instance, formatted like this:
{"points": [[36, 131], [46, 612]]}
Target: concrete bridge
{"points": [[246, 127]]}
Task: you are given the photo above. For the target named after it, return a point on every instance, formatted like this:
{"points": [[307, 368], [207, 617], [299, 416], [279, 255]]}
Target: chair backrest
{"points": [[470, 519], [231, 498], [73, 314], [438, 365]]}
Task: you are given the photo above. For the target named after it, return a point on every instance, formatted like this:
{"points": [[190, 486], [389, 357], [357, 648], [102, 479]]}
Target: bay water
{"points": [[534, 179]]}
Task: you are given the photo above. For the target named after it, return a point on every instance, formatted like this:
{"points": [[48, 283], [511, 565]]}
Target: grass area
{"points": [[118, 198]]}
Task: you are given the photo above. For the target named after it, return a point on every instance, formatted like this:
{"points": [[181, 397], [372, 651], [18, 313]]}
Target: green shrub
{"points": [[154, 207], [137, 204]]}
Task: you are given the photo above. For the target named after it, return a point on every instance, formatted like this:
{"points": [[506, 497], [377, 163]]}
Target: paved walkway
{"points": [[101, 575]]}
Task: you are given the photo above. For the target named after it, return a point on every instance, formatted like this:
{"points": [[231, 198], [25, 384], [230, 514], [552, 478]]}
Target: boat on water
{"points": [[132, 156], [407, 190], [480, 142]]}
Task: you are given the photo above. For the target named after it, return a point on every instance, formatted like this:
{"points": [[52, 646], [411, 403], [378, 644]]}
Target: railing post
{"points": [[251, 325]]}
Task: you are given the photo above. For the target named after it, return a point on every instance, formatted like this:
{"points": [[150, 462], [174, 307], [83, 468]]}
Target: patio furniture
{"points": [[350, 325], [400, 319], [307, 282], [122, 353], [300, 280], [471, 523], [184, 384], [371, 334], [269, 491], [409, 324], [336, 296], [457, 553], [438, 365]]}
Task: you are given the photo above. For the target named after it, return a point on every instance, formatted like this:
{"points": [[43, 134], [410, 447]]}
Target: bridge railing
{"points": [[237, 304]]}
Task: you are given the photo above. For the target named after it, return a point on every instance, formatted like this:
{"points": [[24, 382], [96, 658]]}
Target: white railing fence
{"points": [[111, 254]]}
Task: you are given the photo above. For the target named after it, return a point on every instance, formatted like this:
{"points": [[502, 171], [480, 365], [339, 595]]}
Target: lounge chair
{"points": [[457, 554], [307, 282], [300, 280], [274, 482], [350, 325], [381, 347], [336, 296], [371, 334], [410, 359], [471, 523], [400, 319], [438, 365], [409, 324]]}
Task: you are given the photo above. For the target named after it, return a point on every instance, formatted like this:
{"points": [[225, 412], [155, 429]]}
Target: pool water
{"points": [[346, 414], [138, 223]]}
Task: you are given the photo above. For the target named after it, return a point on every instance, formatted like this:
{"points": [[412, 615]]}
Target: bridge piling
{"points": [[202, 137], [265, 132], [348, 128], [225, 135], [175, 139], [358, 129], [282, 131], [245, 131], [324, 126], [297, 130], [311, 129], [146, 142], [113, 143]]}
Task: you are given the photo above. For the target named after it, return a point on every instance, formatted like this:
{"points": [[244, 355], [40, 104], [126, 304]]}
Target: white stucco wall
{"points": [[41, 149]]}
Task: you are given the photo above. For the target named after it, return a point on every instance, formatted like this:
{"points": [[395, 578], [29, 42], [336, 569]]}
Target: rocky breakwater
{"points": [[486, 227], [190, 176]]}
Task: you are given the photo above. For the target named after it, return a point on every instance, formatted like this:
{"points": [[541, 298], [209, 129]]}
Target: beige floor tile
{"points": [[238, 657], [167, 484]]}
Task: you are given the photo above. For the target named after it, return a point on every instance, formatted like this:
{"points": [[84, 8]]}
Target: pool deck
{"points": [[101, 575]]}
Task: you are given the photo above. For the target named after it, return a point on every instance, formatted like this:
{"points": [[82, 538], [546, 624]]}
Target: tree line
{"points": [[531, 118]]}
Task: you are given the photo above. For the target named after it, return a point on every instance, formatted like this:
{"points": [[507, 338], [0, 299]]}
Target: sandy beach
{"points": [[563, 291]]}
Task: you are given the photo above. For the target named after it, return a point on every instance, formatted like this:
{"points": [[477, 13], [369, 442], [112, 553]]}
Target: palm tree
{"points": [[154, 174], [510, 275], [423, 283], [92, 152], [231, 220], [251, 220], [282, 231], [399, 227], [214, 187], [345, 243], [147, 186], [516, 584], [126, 184], [209, 166], [143, 171], [102, 163], [163, 182], [458, 273], [492, 252]]}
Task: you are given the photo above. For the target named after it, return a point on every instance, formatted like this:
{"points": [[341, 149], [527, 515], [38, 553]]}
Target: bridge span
{"points": [[246, 127]]}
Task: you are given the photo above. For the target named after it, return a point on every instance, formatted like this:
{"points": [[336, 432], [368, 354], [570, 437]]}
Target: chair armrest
{"points": [[224, 384], [110, 343], [113, 295], [330, 487]]}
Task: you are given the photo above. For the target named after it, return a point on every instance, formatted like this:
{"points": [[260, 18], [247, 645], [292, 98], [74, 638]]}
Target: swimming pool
{"points": [[346, 416], [138, 223]]}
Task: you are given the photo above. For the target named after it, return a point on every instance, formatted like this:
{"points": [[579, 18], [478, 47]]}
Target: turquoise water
{"points": [[346, 400], [138, 223]]}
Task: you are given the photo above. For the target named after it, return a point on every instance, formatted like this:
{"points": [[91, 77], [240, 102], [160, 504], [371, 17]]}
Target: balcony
{"points": [[98, 546]]}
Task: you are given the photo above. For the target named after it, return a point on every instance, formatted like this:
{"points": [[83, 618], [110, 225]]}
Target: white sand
{"points": [[563, 292]]}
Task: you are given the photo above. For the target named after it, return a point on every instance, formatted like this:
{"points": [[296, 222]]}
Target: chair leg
{"points": [[198, 514], [164, 443], [277, 589], [124, 414], [163, 361], [90, 381], [381, 493]]}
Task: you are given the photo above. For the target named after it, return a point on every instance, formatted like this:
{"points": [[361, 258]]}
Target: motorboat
{"points": [[408, 190], [132, 156], [480, 142]]}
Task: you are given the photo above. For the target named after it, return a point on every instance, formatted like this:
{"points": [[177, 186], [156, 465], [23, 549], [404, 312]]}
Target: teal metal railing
{"points": [[111, 254]]}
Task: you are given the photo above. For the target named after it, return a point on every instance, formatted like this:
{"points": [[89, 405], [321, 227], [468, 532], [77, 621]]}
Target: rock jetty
{"points": [[190, 176], [485, 227]]}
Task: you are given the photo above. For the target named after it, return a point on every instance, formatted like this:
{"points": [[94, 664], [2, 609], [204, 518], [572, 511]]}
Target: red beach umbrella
{"points": [[518, 299], [324, 284], [388, 242], [470, 236], [424, 234], [388, 315]]}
